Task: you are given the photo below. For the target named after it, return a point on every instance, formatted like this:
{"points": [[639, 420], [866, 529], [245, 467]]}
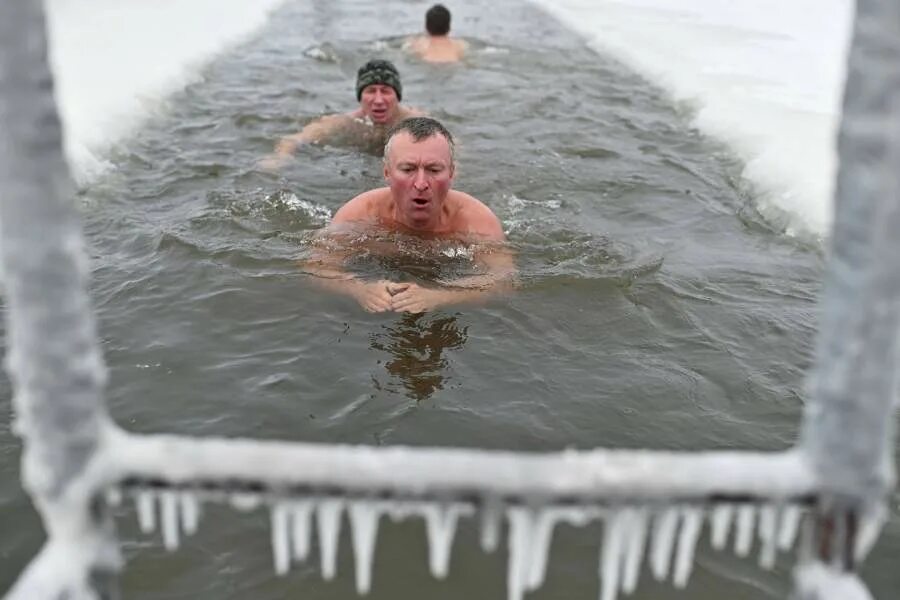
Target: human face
{"points": [[419, 175], [379, 103]]}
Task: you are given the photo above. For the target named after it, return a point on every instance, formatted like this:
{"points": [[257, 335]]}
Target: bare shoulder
{"points": [[331, 122], [316, 130], [411, 111], [475, 217], [416, 43], [368, 206]]}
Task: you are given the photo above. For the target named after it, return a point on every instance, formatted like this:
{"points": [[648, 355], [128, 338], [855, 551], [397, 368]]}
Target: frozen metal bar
{"points": [[848, 428], [461, 474], [53, 359]]}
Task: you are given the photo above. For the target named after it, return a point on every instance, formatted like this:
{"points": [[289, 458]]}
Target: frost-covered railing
{"points": [[76, 462]]}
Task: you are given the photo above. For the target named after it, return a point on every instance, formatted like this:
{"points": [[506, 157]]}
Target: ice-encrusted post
{"points": [[848, 427], [53, 358]]}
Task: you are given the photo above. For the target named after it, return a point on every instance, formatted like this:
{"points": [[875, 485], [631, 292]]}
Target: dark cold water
{"points": [[655, 308]]}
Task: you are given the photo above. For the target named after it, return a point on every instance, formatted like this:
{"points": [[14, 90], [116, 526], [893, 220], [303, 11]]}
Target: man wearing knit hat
{"points": [[379, 91]]}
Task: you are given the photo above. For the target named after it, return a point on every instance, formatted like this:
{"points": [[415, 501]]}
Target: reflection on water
{"points": [[416, 344]]}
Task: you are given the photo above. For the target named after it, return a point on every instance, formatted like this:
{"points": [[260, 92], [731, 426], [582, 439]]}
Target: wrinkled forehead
{"points": [[402, 147], [374, 87]]}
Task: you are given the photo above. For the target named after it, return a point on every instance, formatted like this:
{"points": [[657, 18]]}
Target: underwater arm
{"points": [[314, 133], [498, 278], [329, 256], [328, 273]]}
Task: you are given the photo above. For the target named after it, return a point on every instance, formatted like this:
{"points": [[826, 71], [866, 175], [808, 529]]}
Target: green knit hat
{"points": [[378, 71]]}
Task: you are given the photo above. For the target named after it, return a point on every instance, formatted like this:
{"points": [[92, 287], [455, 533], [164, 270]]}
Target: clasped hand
{"points": [[383, 296]]}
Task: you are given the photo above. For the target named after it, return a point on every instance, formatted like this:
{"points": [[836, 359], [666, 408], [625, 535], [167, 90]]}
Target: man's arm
{"points": [[331, 252], [494, 255], [326, 265], [314, 133], [498, 278], [329, 274]]}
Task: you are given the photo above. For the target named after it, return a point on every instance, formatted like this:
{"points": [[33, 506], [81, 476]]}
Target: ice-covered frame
{"points": [[76, 461]]}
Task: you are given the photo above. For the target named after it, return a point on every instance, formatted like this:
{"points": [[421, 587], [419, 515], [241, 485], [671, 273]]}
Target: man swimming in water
{"points": [[419, 169], [379, 91], [437, 46]]}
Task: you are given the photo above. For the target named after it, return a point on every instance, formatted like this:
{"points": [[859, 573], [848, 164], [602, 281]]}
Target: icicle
{"points": [[542, 535], [114, 496], [169, 510], [280, 539], [520, 530], [300, 536], [768, 521], [636, 537], [692, 519], [611, 555], [577, 516], [245, 501], [398, 511], [146, 509], [364, 529], [440, 522], [490, 527], [868, 530], [190, 512], [744, 537], [329, 519], [722, 516], [790, 520], [664, 527]]}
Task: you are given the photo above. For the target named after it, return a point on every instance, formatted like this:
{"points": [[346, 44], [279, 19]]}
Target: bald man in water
{"points": [[379, 91], [419, 200], [436, 46]]}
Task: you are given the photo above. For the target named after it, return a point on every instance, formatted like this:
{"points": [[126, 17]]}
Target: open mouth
{"points": [[420, 201]]}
